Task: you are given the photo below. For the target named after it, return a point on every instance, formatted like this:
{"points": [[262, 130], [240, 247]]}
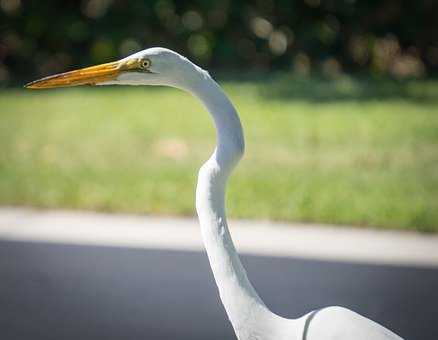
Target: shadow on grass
{"points": [[343, 88], [350, 89]]}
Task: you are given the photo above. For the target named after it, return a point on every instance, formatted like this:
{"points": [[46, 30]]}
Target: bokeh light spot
{"points": [[129, 46], [96, 8], [302, 64], [192, 20], [199, 46], [262, 28], [278, 42], [102, 50], [331, 68]]}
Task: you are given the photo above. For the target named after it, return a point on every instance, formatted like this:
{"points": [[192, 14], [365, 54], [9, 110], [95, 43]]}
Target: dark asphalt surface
{"points": [[66, 292]]}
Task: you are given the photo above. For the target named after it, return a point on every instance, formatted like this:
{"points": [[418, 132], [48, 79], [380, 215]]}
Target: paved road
{"points": [[73, 292]]}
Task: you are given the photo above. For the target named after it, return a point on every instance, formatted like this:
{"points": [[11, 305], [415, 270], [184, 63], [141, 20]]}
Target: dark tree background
{"points": [[388, 37]]}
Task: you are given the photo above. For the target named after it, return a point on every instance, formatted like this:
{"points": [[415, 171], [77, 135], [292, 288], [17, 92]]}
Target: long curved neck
{"points": [[244, 307]]}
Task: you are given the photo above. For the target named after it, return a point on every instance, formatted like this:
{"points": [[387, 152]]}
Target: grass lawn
{"points": [[347, 152]]}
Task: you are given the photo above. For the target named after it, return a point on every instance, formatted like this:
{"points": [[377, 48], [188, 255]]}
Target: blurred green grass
{"points": [[345, 152]]}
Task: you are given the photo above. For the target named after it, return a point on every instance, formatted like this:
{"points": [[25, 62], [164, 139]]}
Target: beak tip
{"points": [[30, 85]]}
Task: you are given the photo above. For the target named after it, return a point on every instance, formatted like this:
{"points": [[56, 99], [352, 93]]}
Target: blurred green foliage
{"points": [[390, 37]]}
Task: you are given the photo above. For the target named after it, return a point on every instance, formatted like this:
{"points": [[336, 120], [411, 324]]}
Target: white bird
{"points": [[249, 316]]}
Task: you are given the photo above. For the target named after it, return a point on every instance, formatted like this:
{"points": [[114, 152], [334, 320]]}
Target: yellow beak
{"points": [[86, 76]]}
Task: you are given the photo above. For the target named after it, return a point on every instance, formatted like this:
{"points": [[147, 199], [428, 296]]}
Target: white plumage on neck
{"points": [[249, 316]]}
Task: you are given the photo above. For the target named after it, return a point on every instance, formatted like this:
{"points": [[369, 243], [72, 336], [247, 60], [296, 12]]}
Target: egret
{"points": [[249, 316]]}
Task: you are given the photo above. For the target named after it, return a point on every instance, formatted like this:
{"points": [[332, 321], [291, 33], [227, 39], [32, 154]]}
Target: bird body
{"points": [[249, 316]]}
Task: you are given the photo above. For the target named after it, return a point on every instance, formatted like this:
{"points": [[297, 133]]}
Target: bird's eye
{"points": [[145, 64]]}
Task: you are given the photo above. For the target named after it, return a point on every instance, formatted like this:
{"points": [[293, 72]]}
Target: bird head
{"points": [[153, 66]]}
